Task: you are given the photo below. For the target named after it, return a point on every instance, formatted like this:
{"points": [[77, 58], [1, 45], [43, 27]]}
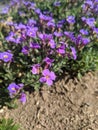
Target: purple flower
{"points": [[61, 49], [10, 38], [18, 39], [27, 3], [95, 30], [13, 88], [15, 3], [35, 46], [36, 68], [58, 34], [90, 22], [85, 41], [45, 37], [60, 23], [10, 23], [78, 40], [31, 32], [57, 4], [73, 50], [6, 56], [52, 44], [48, 77], [32, 6], [51, 24], [23, 98], [31, 22], [84, 32], [25, 50], [71, 19], [5, 10], [48, 61], [45, 17], [88, 2], [69, 35], [83, 19], [37, 11], [23, 36], [20, 26], [15, 38]]}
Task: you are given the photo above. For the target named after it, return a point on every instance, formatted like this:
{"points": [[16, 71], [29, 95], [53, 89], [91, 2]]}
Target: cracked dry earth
{"points": [[68, 105]]}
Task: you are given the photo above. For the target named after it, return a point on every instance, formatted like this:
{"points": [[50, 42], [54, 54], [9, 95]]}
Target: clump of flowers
{"points": [[41, 41]]}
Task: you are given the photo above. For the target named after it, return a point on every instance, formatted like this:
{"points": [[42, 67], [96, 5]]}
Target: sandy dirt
{"points": [[68, 105]]}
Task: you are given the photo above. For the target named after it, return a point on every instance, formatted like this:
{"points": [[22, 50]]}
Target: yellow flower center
{"points": [[13, 88], [47, 77], [5, 56]]}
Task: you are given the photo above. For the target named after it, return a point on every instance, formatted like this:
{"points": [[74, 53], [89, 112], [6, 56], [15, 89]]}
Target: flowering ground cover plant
{"points": [[40, 40]]}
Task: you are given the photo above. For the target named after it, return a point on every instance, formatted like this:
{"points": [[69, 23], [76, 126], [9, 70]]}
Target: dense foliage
{"points": [[41, 39], [8, 124]]}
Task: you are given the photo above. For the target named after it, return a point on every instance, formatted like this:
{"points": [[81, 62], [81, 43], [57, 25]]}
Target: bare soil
{"points": [[68, 105]]}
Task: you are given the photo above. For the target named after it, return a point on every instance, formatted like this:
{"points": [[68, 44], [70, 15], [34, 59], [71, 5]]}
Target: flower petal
{"points": [[49, 82], [53, 76], [42, 79], [46, 72]]}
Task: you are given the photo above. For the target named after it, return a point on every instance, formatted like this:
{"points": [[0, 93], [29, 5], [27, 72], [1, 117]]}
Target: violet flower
{"points": [[90, 22], [78, 40], [83, 19], [45, 37], [10, 38], [45, 17], [31, 22], [31, 32], [88, 2], [57, 4], [13, 88], [37, 11], [20, 26], [73, 50], [25, 50], [48, 77], [5, 10], [23, 98], [51, 24], [32, 6], [36, 69], [85, 41], [58, 34], [27, 3], [61, 50], [95, 30], [60, 23], [35, 46], [69, 35], [18, 40], [48, 61], [6, 56], [52, 44], [71, 19], [84, 32]]}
